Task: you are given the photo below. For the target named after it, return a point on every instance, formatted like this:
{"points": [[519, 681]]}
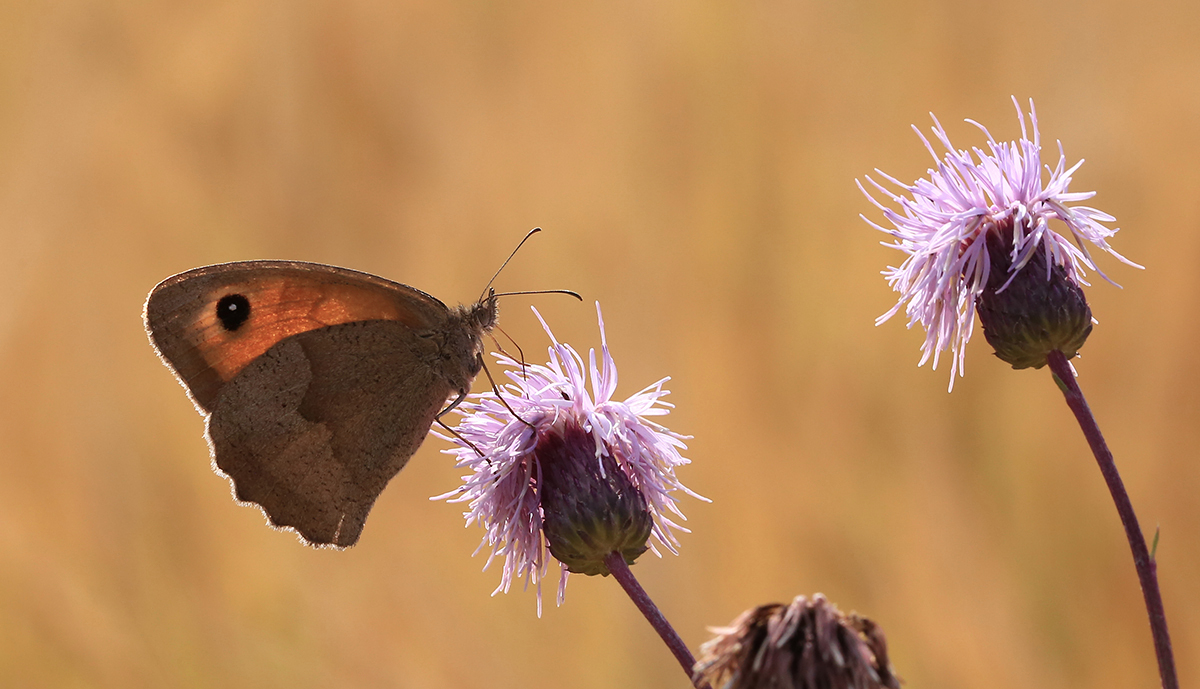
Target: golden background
{"points": [[693, 165]]}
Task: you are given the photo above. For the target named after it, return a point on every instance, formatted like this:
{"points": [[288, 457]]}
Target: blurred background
{"points": [[693, 165]]}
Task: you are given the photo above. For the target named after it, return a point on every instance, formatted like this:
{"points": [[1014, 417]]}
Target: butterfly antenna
{"points": [[542, 291], [510, 257]]}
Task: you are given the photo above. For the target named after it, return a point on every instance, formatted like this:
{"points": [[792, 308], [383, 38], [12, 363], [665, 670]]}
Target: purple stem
{"points": [[620, 571], [1147, 569]]}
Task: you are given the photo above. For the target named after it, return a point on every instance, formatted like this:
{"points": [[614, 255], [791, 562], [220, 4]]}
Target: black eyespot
{"points": [[232, 311]]}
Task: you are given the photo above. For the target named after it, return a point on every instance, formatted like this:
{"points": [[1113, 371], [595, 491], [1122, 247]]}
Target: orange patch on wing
{"points": [[280, 308]]}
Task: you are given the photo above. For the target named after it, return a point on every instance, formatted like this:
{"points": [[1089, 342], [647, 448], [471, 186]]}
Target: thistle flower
{"points": [[976, 228], [809, 644], [557, 468]]}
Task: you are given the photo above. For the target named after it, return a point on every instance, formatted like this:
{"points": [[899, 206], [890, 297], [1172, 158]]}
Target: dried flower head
{"points": [[556, 466], [977, 216], [809, 644]]}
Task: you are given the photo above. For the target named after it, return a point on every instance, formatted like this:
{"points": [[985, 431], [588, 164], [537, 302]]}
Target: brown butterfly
{"points": [[317, 383]]}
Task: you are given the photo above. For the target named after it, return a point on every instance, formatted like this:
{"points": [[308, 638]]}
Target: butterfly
{"points": [[317, 383]]}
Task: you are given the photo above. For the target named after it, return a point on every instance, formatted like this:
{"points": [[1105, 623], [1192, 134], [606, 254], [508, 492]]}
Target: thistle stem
{"points": [[620, 571], [1147, 568]]}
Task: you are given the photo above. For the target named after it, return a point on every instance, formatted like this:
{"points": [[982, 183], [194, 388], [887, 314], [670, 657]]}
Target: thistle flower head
{"points": [[943, 224], [809, 644], [559, 467]]}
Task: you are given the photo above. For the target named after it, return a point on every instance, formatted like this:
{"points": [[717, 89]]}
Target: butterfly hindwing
{"points": [[312, 433]]}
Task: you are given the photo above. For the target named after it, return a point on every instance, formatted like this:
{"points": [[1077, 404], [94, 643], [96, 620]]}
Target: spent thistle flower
{"points": [[562, 470], [977, 236], [809, 644]]}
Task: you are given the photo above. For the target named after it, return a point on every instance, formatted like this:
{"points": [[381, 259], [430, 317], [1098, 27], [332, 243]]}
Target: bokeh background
{"points": [[693, 164]]}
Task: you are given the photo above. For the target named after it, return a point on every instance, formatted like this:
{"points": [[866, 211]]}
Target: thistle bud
{"points": [[1029, 314], [590, 507]]}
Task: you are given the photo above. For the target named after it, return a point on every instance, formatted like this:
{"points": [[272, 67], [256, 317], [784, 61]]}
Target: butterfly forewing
{"points": [[283, 298]]}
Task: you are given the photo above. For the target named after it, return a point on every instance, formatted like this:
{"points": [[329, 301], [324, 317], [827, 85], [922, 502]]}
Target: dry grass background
{"points": [[693, 165]]}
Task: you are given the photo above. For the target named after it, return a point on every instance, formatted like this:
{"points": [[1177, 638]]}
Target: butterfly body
{"points": [[317, 383]]}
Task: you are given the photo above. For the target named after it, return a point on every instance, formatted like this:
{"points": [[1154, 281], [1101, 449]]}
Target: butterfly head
{"points": [[463, 340], [483, 314]]}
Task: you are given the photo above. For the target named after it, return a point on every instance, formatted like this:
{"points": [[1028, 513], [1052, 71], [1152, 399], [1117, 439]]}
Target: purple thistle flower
{"points": [[943, 223], [508, 482]]}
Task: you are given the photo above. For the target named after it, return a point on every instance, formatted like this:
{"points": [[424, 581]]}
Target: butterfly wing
{"points": [[318, 386], [313, 430], [283, 298]]}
